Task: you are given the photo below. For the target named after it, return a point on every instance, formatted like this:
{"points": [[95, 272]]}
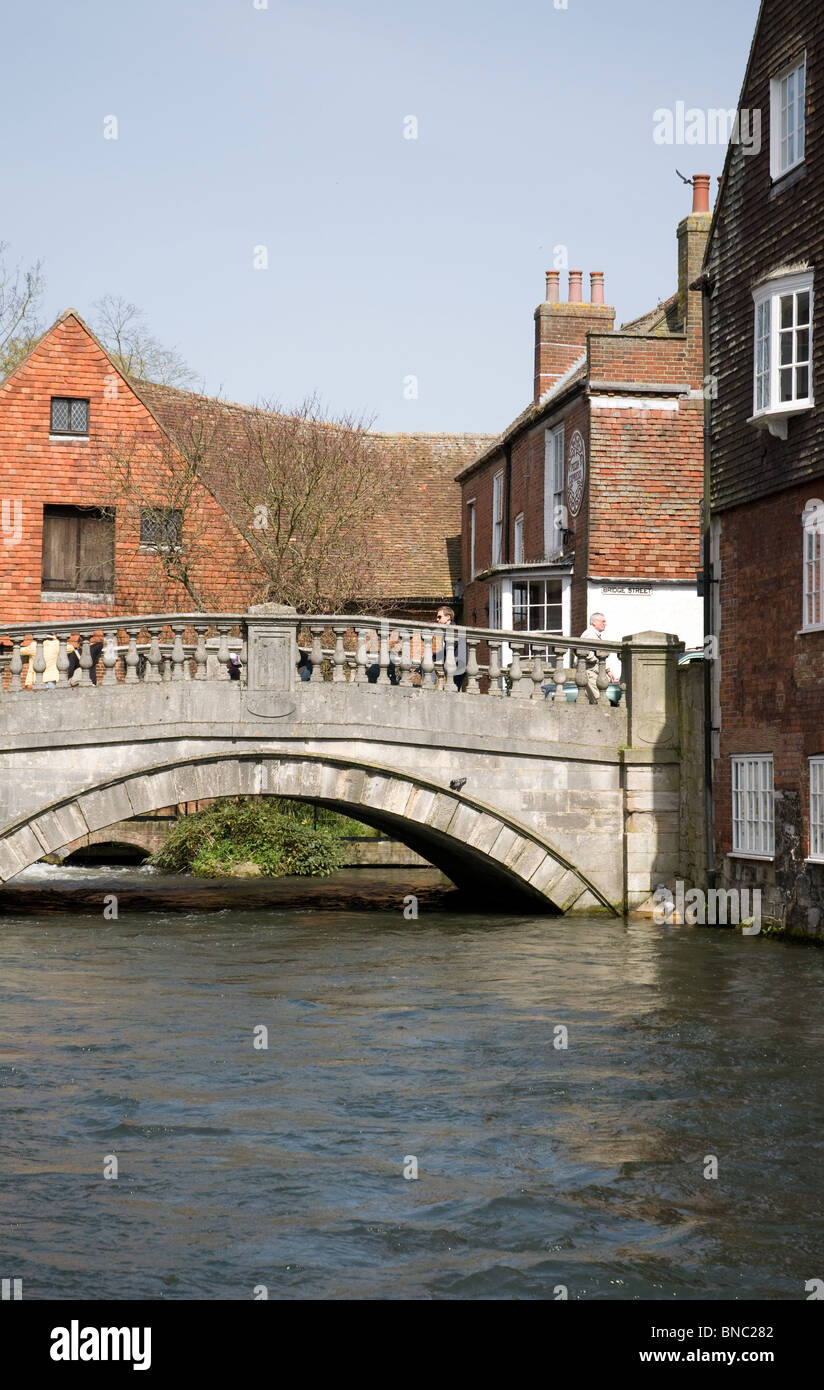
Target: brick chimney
{"points": [[692, 242], [561, 328]]}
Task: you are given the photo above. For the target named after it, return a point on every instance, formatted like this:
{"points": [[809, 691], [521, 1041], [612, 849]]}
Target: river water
{"points": [[541, 1168]]}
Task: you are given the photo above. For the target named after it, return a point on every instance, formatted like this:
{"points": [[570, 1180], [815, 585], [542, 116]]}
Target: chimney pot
{"points": [[701, 192], [596, 281], [575, 279], [552, 286]]}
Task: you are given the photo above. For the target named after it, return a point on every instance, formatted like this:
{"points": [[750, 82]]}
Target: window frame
{"points": [[518, 539], [70, 401], [155, 547], [97, 589], [471, 534], [758, 830], [554, 489], [816, 804], [812, 563], [778, 169], [527, 582], [498, 517], [767, 367]]}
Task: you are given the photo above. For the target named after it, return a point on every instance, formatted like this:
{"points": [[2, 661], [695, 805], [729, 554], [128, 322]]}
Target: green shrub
{"points": [[210, 842]]}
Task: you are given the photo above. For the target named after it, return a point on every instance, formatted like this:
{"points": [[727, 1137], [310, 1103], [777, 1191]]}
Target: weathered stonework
{"points": [[564, 806]]}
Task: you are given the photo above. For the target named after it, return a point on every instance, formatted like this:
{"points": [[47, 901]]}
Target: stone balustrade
{"points": [[378, 653]]}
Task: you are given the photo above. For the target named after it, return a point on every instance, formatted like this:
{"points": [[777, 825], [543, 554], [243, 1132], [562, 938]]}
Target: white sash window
{"points": [[752, 806]]}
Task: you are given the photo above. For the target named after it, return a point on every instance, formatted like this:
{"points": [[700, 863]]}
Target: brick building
{"points": [[590, 499], [765, 566], [68, 552]]}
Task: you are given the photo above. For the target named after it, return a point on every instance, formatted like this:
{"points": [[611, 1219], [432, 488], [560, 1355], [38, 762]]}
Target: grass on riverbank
{"points": [[264, 835]]}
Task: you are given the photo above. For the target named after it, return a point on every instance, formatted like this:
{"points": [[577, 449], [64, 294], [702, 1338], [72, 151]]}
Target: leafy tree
{"points": [[253, 830]]}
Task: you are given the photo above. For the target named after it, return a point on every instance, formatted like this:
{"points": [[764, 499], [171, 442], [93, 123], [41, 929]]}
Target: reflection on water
{"points": [[388, 1038]]}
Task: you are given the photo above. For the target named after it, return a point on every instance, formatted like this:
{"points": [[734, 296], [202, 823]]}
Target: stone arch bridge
{"points": [[526, 782]]}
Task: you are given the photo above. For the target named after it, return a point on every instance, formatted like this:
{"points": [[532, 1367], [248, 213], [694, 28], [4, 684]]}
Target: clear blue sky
{"points": [[240, 127]]}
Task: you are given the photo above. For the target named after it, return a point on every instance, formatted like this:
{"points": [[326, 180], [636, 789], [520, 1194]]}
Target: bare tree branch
{"points": [[20, 328], [123, 331]]}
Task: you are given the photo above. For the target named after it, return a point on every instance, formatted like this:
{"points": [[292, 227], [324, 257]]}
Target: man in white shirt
{"points": [[595, 633]]}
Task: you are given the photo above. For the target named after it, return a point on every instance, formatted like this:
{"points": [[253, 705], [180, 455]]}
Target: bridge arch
{"points": [[476, 845]]}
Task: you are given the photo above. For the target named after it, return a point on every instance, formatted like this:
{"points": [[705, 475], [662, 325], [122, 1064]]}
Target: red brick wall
{"points": [[41, 471], [526, 495], [475, 607], [560, 338], [772, 676]]}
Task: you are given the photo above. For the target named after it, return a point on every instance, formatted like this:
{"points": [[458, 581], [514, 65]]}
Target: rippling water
{"points": [[538, 1166]]}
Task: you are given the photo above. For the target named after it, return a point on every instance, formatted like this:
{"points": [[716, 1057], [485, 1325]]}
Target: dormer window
{"points": [[783, 383], [69, 415], [787, 118]]}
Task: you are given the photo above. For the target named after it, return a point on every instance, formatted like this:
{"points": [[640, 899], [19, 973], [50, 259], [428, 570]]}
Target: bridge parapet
{"points": [[271, 647]]}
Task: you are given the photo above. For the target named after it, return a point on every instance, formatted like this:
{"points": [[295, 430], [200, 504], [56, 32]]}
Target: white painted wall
{"points": [[668, 608]]}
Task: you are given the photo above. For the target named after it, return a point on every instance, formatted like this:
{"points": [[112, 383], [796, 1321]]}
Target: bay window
{"points": [[783, 351]]}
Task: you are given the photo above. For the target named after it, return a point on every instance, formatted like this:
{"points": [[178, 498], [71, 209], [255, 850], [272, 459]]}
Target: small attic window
{"points": [[69, 415]]}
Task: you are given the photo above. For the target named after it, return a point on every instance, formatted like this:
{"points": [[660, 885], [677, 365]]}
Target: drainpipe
{"points": [[707, 573]]}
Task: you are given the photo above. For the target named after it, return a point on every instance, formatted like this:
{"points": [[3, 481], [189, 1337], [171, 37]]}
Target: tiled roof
{"points": [[659, 322], [662, 319], [420, 544], [533, 412]]}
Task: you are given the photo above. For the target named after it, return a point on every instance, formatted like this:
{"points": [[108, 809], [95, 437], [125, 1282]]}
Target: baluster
{"points": [[516, 670], [361, 658], [406, 657], [427, 663], [63, 664], [201, 652], [317, 653], [244, 658], [109, 656], [580, 671], [339, 655], [560, 675], [86, 662], [494, 668], [154, 656], [449, 662], [38, 662], [472, 667], [177, 655], [383, 657], [537, 674], [132, 656], [16, 664], [602, 681], [223, 652]]}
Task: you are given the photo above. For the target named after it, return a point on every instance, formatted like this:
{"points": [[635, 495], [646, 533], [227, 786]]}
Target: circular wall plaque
{"points": [[576, 472]]}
